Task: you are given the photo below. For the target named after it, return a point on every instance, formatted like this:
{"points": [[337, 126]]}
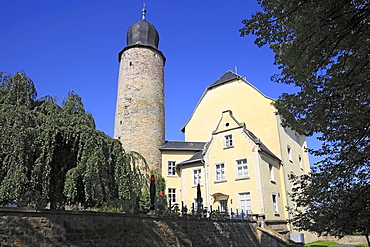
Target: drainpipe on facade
{"points": [[206, 184]]}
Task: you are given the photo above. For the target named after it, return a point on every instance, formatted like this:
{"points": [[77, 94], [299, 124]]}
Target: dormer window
{"points": [[229, 141]]}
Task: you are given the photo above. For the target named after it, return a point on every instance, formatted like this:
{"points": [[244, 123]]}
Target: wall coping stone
{"points": [[23, 211]]}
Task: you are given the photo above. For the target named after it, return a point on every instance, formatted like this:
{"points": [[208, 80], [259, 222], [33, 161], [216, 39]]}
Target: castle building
{"points": [[235, 147], [139, 120], [237, 150]]}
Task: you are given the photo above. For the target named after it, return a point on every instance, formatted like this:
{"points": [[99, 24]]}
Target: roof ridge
{"points": [[227, 76]]}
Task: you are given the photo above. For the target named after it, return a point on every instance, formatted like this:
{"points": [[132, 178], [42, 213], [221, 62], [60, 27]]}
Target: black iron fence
{"points": [[199, 211]]}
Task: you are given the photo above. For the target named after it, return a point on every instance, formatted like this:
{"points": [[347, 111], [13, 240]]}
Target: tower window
{"points": [[130, 63], [120, 122]]}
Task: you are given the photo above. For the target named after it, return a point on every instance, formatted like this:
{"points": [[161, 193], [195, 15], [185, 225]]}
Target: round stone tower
{"points": [[139, 121]]}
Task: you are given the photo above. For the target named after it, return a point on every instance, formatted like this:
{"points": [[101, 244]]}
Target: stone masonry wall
{"points": [[139, 121], [69, 228]]}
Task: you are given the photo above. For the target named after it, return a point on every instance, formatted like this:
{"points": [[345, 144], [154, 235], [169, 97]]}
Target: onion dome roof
{"points": [[142, 33]]}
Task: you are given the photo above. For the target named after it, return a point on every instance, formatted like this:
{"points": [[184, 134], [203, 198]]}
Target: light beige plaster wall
{"points": [[247, 104], [179, 179], [273, 185]]}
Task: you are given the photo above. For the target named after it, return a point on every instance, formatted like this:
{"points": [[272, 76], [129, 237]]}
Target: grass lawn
{"points": [[322, 244], [327, 244]]}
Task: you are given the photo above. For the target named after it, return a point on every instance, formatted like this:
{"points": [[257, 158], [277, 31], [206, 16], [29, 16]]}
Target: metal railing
{"points": [[199, 211]]}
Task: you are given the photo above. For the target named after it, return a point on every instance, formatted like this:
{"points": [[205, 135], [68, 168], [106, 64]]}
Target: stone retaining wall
{"points": [[70, 228]]}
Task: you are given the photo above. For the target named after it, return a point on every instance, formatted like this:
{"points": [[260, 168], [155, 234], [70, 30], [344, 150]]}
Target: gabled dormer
{"points": [[227, 123]]}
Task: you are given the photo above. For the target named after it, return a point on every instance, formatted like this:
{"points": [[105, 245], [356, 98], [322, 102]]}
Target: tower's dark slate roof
{"points": [[229, 75], [142, 33]]}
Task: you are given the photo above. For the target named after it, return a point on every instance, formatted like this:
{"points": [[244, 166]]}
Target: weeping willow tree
{"points": [[51, 154]]}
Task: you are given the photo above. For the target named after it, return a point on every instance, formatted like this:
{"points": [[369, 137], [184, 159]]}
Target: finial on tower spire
{"points": [[143, 11]]}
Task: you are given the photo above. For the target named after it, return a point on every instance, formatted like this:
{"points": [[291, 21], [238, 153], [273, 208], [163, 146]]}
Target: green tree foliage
{"points": [[160, 185], [53, 154], [322, 47]]}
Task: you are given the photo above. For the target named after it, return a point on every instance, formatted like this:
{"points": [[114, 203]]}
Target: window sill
{"points": [[272, 181], [243, 178], [277, 214], [172, 176], [220, 181], [228, 147]]}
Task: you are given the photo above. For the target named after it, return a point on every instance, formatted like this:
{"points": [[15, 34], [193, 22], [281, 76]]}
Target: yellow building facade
{"points": [[238, 152]]}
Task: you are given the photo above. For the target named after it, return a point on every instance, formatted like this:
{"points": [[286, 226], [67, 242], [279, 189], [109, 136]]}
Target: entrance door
{"points": [[223, 205]]}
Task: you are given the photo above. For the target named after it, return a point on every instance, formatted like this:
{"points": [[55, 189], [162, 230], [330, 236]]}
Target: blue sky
{"points": [[69, 44]]}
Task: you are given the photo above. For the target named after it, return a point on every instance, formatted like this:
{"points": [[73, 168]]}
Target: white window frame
{"points": [[229, 142], [272, 173], [222, 172], [244, 167], [275, 206], [248, 202], [172, 196], [171, 165], [197, 176]]}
